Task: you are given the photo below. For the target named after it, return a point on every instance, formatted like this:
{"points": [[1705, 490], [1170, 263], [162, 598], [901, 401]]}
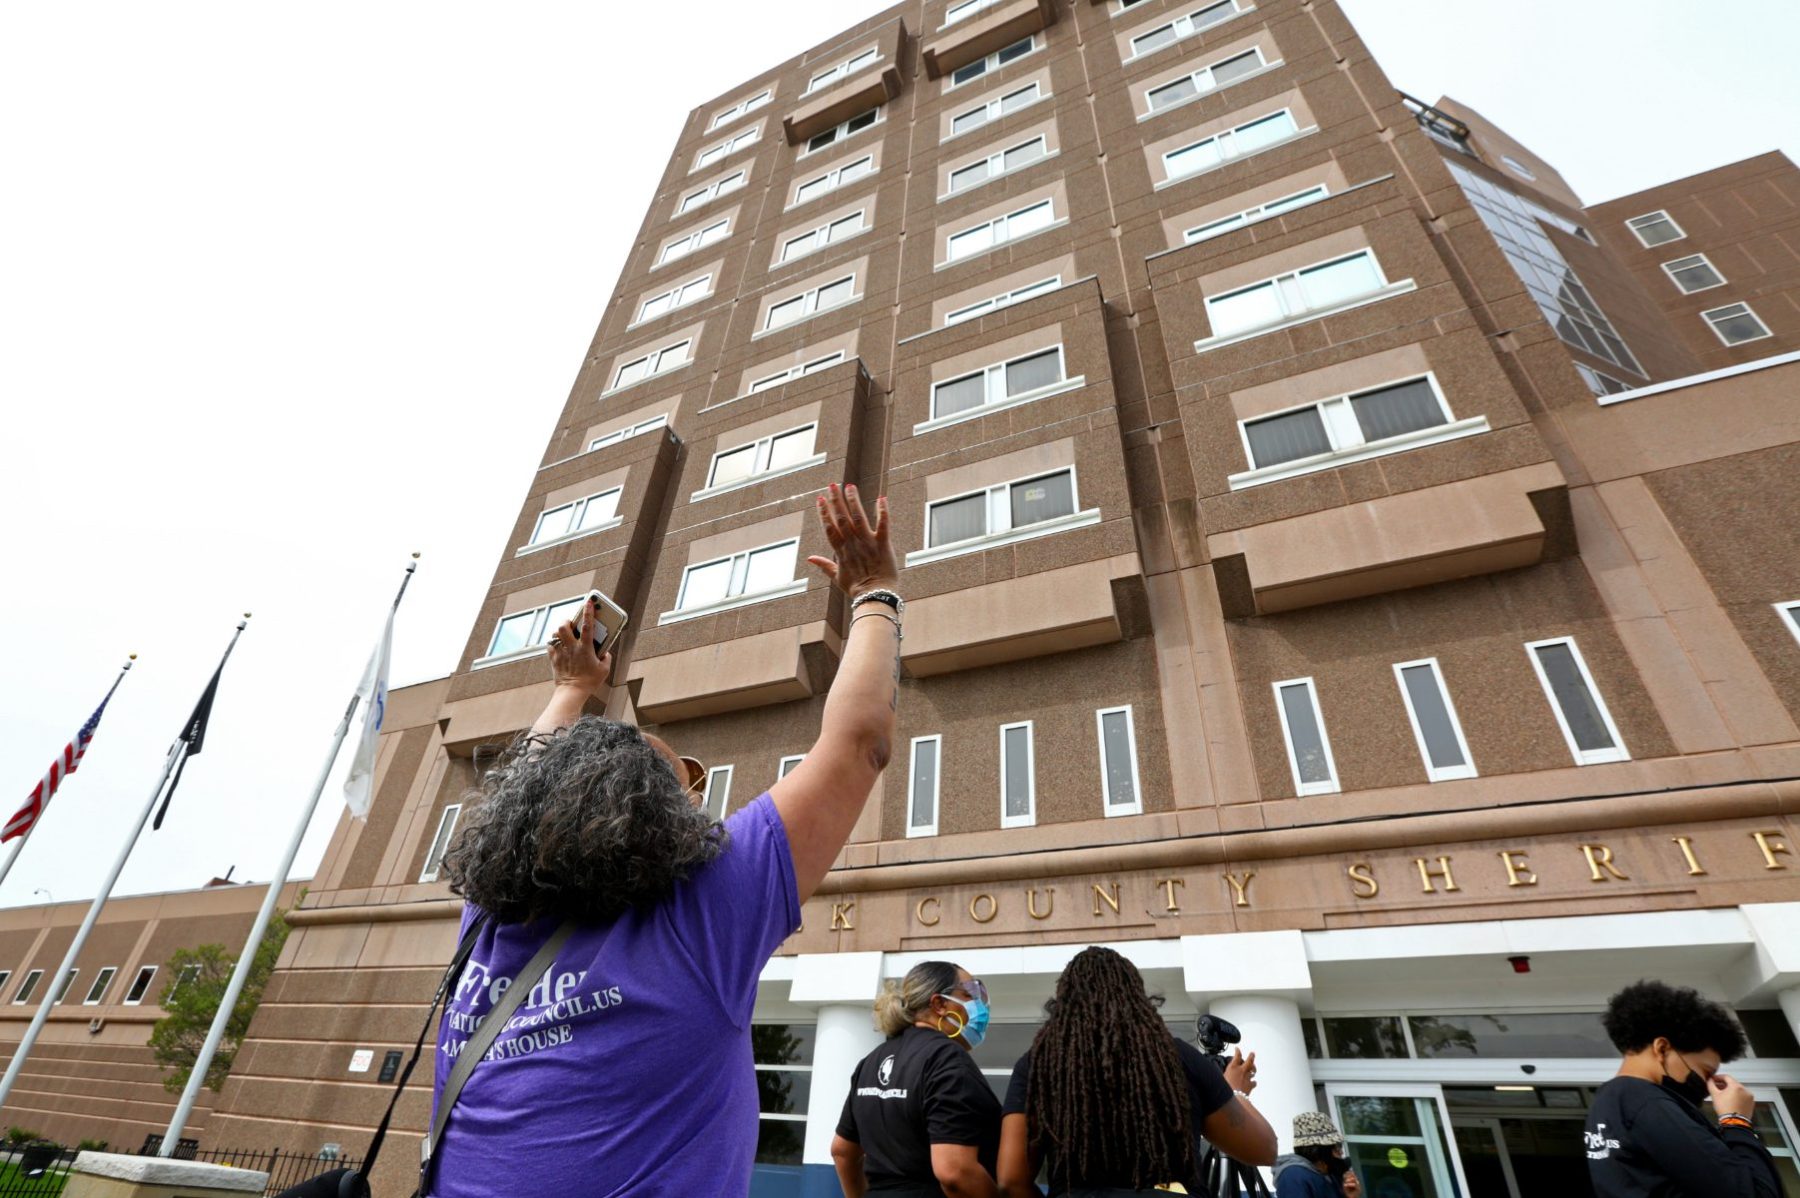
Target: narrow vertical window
{"points": [[62, 991], [1018, 777], [1309, 751], [1119, 790], [5, 977], [140, 986], [28, 986], [440, 844], [787, 766], [922, 786], [1434, 722], [97, 991], [718, 790], [1580, 711], [1790, 616]]}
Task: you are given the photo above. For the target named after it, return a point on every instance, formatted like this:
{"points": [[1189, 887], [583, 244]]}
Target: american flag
{"points": [[62, 767]]}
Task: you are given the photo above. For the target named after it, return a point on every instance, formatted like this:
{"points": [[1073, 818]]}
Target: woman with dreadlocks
{"points": [[1107, 1101]]}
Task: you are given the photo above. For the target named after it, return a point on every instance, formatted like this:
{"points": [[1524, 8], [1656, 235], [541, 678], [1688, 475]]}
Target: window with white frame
{"points": [[769, 455], [783, 1053], [787, 765], [923, 783], [629, 431], [1345, 422], [97, 991], [681, 247], [717, 796], [1127, 5], [1011, 227], [62, 991], [834, 178], [1208, 78], [1187, 25], [794, 372], [1517, 167], [1006, 381], [1303, 728], [1245, 139], [1598, 381], [710, 192], [1734, 324], [741, 108], [657, 361], [999, 509], [964, 9], [805, 243], [744, 575], [1789, 611], [1005, 298], [1294, 294], [1693, 273], [675, 297], [992, 110], [1581, 713], [189, 973], [993, 62], [832, 136], [1238, 220], [810, 302], [526, 630], [1010, 159], [1120, 792], [1018, 776], [1439, 733], [5, 977], [140, 986], [440, 843], [1655, 228], [842, 70], [567, 520], [720, 151], [28, 987]]}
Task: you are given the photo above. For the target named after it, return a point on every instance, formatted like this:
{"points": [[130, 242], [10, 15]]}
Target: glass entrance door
{"points": [[1394, 1135]]}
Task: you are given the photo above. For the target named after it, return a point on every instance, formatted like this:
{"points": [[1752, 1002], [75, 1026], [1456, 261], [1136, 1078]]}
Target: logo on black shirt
{"points": [[1599, 1146], [886, 1072]]}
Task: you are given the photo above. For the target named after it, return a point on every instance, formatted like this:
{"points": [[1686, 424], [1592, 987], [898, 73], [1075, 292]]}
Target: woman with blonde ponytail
{"points": [[920, 1120]]}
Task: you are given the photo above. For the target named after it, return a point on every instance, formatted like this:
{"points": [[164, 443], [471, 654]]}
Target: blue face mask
{"points": [[975, 1019]]}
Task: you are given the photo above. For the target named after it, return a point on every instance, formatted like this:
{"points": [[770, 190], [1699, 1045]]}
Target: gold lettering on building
{"points": [[1169, 885], [1599, 858], [1240, 887], [1693, 862], [841, 916], [1031, 897], [919, 911], [1426, 873], [1362, 880], [1110, 898], [1518, 873], [1771, 843], [993, 908]]}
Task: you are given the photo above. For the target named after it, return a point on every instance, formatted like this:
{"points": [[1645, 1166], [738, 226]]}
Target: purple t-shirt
{"points": [[627, 1070]]}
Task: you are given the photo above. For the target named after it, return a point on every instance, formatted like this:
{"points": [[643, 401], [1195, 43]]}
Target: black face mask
{"points": [[1694, 1089], [1338, 1165]]}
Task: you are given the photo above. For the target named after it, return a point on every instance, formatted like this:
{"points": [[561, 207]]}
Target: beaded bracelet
{"points": [[1736, 1121]]}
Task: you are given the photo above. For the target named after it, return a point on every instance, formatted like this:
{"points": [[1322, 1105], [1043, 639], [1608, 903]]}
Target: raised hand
{"points": [[573, 662], [864, 557]]}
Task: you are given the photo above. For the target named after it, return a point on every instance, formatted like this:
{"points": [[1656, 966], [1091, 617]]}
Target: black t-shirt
{"points": [[918, 1089], [1643, 1141], [1208, 1091]]}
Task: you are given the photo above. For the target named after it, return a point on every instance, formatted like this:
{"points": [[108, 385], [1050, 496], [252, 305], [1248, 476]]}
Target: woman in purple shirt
{"points": [[627, 1069]]}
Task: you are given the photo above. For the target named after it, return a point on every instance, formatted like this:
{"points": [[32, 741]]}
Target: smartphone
{"points": [[611, 618]]}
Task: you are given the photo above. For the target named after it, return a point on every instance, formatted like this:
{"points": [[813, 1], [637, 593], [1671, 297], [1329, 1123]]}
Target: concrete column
{"points": [[846, 1034], [1271, 1028], [1790, 1006]]}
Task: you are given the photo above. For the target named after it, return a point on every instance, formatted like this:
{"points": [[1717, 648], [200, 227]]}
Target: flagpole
{"points": [[177, 752], [32, 827], [247, 959]]}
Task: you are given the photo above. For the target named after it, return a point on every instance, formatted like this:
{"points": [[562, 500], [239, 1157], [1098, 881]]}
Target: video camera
{"points": [[1213, 1034]]}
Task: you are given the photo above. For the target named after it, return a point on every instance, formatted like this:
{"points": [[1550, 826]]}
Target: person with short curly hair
{"points": [[628, 1070], [1648, 1134]]}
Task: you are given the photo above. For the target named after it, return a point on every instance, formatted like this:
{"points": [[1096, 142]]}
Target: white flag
{"points": [[359, 786]]}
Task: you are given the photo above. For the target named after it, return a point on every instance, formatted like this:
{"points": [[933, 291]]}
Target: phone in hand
{"points": [[611, 619]]}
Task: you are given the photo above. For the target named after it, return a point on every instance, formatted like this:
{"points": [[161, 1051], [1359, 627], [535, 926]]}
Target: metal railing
{"points": [[41, 1170]]}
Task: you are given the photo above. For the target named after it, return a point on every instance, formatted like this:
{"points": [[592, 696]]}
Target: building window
{"points": [[1005, 298], [1790, 612], [1128, 5], [787, 764], [675, 297], [1208, 78], [993, 110], [440, 844], [855, 124], [28, 986], [1011, 227], [923, 784], [1580, 711], [741, 108], [1599, 382], [811, 302], [1220, 148], [1018, 776], [725, 149], [5, 976], [1303, 727], [62, 991], [1006, 382], [1187, 26], [842, 70], [1120, 793], [783, 1053], [661, 361], [1693, 273], [140, 986], [1010, 159], [824, 235], [718, 790], [710, 192], [834, 178], [965, 9], [1238, 220], [1518, 168], [1001, 509], [528, 630], [970, 72], [748, 575], [1295, 294], [1736, 323], [794, 372], [681, 247], [1360, 420], [1655, 228], [770, 455], [97, 991], [188, 974], [629, 431], [1434, 723]]}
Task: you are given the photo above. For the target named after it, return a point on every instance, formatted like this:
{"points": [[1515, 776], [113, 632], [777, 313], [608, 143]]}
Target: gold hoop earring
{"points": [[960, 1024]]}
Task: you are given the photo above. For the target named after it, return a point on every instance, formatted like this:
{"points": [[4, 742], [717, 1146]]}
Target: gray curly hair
{"points": [[583, 825]]}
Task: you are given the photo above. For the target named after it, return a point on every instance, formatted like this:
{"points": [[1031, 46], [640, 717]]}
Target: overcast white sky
{"points": [[287, 292]]}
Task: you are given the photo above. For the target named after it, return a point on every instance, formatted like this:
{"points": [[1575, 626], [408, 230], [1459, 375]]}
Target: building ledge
{"points": [[553, 542], [817, 459], [751, 671], [1695, 380], [1287, 322], [736, 601], [1074, 383], [1053, 611], [865, 90], [1436, 435], [1030, 532], [964, 42]]}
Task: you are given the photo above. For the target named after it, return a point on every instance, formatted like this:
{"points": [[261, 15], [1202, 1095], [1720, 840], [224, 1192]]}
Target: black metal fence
{"points": [[41, 1170], [34, 1169]]}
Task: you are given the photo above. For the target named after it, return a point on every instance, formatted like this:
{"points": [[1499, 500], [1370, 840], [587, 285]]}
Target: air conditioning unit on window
{"points": [[95, 1025]]}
